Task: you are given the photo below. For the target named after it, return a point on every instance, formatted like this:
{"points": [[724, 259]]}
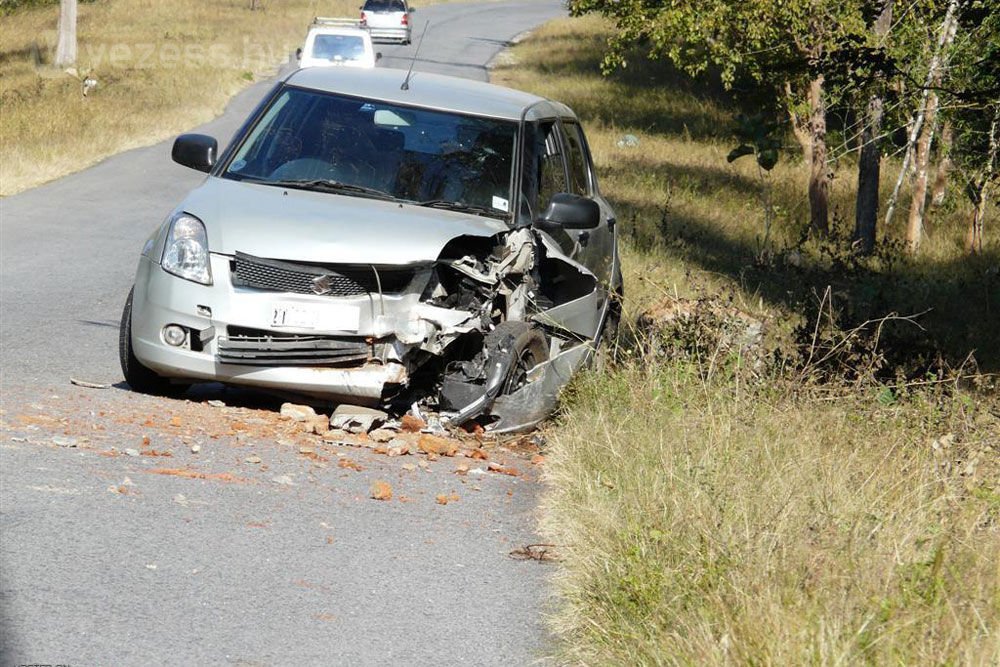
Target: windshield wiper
{"points": [[464, 208], [325, 185]]}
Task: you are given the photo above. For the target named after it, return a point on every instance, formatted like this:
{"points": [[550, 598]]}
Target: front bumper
{"points": [[209, 311]]}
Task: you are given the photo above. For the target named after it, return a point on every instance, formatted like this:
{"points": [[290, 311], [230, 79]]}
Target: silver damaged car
{"points": [[376, 238]]}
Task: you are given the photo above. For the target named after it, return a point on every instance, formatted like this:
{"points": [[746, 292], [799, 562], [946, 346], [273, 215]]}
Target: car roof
{"points": [[338, 30], [433, 91]]}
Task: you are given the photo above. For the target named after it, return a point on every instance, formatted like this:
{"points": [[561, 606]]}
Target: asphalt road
{"points": [[267, 550]]}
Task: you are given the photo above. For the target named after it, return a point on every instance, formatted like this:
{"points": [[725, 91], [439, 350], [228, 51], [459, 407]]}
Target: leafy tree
{"points": [[787, 46]]}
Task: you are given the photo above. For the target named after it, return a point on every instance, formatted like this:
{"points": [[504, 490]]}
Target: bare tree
{"points": [[66, 48], [947, 35]]}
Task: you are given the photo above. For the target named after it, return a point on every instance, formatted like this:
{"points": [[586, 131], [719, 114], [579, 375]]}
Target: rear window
{"points": [[385, 6], [338, 47]]}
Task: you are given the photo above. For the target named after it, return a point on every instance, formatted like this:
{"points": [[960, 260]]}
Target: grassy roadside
{"points": [[833, 500], [161, 68]]}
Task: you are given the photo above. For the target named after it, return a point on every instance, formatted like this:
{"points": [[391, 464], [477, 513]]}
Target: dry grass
{"points": [[704, 526], [161, 67], [704, 519]]}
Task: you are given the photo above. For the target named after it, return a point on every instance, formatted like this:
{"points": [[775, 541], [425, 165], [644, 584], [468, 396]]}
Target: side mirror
{"points": [[378, 56], [571, 212], [197, 151], [411, 10], [298, 53]]}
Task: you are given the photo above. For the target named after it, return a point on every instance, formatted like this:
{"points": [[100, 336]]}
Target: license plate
{"points": [[331, 317]]}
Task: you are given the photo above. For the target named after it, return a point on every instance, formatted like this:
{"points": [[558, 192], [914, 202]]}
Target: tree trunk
{"points": [[915, 227], [819, 175], [799, 125], [869, 168], [974, 238], [938, 60], [66, 47], [870, 160], [979, 191], [944, 165]]}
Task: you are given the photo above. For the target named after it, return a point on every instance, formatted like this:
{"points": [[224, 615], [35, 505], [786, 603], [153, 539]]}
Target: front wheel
{"points": [[523, 344], [137, 376]]}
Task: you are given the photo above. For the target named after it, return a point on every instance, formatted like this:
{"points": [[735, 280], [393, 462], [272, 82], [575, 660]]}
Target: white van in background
{"points": [[337, 42]]}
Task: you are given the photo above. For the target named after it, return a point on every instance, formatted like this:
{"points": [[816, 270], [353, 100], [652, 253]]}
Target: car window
{"points": [[576, 160], [338, 47], [549, 165], [409, 153]]}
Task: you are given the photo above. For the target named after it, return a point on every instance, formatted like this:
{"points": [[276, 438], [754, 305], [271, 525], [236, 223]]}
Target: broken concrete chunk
{"points": [[432, 444], [356, 418], [412, 424], [65, 441], [381, 490], [382, 435], [299, 413]]}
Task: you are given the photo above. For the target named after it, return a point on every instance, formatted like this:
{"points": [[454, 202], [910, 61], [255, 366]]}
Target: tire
{"points": [[138, 377], [520, 340], [606, 347]]}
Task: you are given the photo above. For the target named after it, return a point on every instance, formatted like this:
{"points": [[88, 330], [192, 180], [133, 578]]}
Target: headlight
{"points": [[185, 253]]}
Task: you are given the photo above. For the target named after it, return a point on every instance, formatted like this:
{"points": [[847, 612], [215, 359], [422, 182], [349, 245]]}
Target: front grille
{"points": [[335, 280], [267, 348]]}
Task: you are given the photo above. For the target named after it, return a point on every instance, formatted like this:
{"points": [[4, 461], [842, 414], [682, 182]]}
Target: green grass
{"points": [[790, 508]]}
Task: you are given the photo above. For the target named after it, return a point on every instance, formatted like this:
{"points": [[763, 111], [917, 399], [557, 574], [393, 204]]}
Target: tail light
{"points": [[406, 20], [364, 20]]}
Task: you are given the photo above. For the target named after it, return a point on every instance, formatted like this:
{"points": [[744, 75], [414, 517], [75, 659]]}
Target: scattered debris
{"points": [[381, 490], [537, 460], [195, 448], [382, 435], [496, 467], [88, 385], [349, 464], [64, 441], [444, 499], [131, 452], [252, 459], [356, 418], [412, 424], [216, 403], [432, 444], [539, 552], [284, 480], [194, 474], [398, 448], [299, 413]]}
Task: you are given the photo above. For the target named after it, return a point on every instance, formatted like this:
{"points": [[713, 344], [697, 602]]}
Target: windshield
{"points": [[338, 47], [417, 155]]}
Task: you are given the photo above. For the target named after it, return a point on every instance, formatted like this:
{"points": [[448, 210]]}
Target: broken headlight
{"points": [[185, 253]]}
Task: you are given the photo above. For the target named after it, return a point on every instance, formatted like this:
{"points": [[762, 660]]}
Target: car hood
{"points": [[307, 226]]}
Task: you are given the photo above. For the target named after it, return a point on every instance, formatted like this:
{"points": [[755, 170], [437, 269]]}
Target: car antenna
{"points": [[406, 81]]}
